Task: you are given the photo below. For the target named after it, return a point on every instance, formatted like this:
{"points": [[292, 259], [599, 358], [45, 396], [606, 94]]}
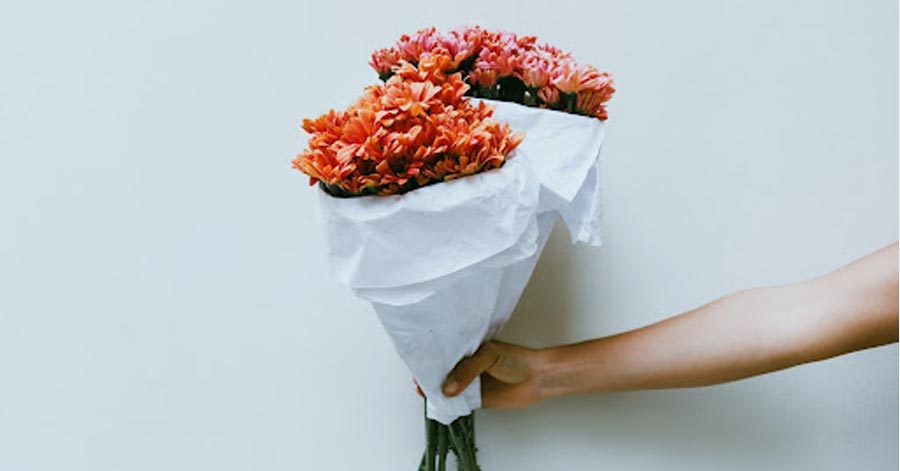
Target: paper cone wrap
{"points": [[444, 266]]}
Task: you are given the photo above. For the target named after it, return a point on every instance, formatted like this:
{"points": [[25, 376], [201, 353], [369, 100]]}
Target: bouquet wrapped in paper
{"points": [[436, 206]]}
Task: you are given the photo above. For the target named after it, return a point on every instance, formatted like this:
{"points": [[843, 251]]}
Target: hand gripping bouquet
{"points": [[436, 205]]}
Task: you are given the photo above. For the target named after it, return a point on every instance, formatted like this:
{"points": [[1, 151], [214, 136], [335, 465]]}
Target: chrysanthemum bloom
{"points": [[590, 102], [549, 96], [462, 46], [503, 60], [415, 130], [383, 61], [534, 71], [594, 89], [566, 77], [554, 53], [505, 66], [412, 47], [485, 78]]}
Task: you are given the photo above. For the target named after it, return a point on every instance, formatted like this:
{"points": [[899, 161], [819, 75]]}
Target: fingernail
{"points": [[450, 387]]}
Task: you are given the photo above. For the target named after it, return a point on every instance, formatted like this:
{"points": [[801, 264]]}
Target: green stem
{"points": [[440, 439], [470, 422], [470, 438], [461, 459], [442, 447], [466, 451], [570, 102], [472, 429], [531, 97], [430, 442]]}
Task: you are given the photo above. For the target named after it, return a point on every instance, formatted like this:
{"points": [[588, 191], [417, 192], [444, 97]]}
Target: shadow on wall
{"points": [[702, 421], [543, 316], [698, 425]]}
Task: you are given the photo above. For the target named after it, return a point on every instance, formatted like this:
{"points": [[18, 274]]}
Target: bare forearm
{"points": [[738, 336]]}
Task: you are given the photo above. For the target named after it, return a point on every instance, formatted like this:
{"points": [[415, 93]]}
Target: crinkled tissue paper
{"points": [[444, 265]]}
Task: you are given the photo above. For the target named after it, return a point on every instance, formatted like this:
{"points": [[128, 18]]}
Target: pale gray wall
{"points": [[164, 299]]}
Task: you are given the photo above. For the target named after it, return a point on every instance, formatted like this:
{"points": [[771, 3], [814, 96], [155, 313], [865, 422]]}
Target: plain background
{"points": [[164, 299]]}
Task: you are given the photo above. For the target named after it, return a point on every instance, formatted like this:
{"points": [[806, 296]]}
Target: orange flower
{"points": [[534, 70], [590, 102], [571, 77], [500, 65], [485, 77], [415, 130], [383, 61], [549, 96]]}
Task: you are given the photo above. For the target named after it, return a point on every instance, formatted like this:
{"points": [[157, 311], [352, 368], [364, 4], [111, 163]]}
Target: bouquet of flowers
{"points": [[436, 206], [415, 130], [504, 66]]}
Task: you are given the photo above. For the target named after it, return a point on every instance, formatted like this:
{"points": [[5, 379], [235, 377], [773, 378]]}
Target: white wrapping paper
{"points": [[444, 265]]}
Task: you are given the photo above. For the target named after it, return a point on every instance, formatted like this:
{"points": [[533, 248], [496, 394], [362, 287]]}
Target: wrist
{"points": [[554, 374]]}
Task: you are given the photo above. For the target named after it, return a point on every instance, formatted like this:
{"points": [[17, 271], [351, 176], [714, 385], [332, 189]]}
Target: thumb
{"points": [[470, 368]]}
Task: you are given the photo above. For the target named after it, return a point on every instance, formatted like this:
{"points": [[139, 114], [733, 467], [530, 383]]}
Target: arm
{"points": [[741, 335]]}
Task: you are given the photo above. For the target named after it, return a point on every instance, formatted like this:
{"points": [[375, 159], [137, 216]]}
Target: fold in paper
{"points": [[444, 266]]}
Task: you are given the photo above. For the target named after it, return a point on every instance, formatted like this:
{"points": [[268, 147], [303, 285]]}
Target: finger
{"points": [[418, 388], [469, 368]]}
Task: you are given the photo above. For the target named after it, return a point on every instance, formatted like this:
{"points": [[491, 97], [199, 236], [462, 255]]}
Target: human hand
{"points": [[510, 375]]}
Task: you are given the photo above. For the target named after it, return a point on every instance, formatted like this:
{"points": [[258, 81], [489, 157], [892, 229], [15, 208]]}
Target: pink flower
{"points": [[383, 60], [566, 77], [463, 44], [473, 35], [572, 78], [549, 95], [412, 47], [552, 78], [593, 79], [485, 78], [553, 52], [502, 52], [591, 102], [526, 43], [503, 60], [534, 71]]}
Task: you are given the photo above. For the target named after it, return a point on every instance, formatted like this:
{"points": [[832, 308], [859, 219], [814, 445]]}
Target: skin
{"points": [[744, 334]]}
